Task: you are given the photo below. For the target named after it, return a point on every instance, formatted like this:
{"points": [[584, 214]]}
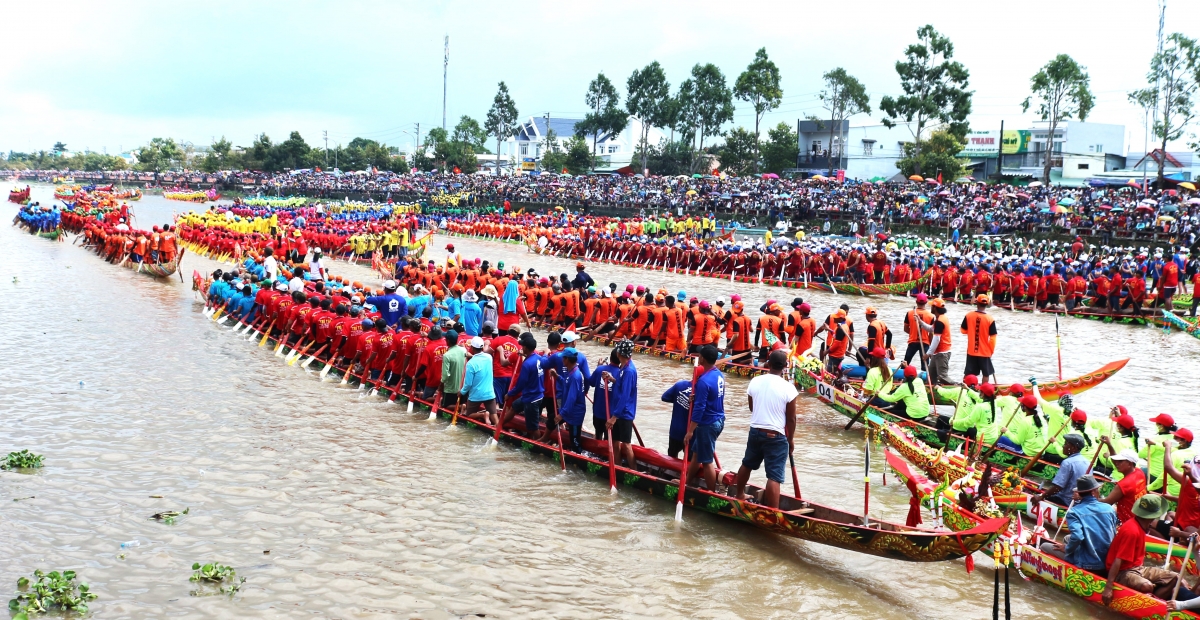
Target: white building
{"points": [[615, 150]]}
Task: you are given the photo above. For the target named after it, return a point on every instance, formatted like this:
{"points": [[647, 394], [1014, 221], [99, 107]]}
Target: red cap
{"points": [[987, 389], [1184, 434], [1121, 410], [971, 380], [1126, 421], [878, 352], [1078, 416], [910, 372], [1029, 401], [1163, 419], [1016, 389]]}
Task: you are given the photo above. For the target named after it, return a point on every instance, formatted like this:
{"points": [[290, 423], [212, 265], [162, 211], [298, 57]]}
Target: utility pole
{"points": [[445, 73], [546, 139], [325, 134], [1162, 15], [1000, 152]]}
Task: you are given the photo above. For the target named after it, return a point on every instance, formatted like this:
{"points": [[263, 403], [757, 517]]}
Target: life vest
{"points": [[913, 321], [979, 342], [944, 342]]}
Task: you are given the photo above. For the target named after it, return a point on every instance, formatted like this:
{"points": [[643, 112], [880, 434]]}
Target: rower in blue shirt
{"points": [[390, 305], [472, 314], [708, 418], [604, 396], [680, 397], [572, 406], [528, 392], [623, 402]]}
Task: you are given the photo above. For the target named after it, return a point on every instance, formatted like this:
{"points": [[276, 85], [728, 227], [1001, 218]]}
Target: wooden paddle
{"points": [[266, 334], [1182, 567], [858, 415], [684, 468], [795, 480], [612, 455], [312, 357], [1028, 466], [511, 384]]}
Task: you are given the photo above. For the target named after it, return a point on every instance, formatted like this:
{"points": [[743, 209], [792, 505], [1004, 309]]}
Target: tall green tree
{"points": [[648, 97], [843, 96], [578, 158], [159, 155], [935, 89], [291, 154], [759, 86], [554, 157], [712, 101], [1174, 70], [739, 154], [606, 115], [501, 118], [781, 150], [938, 155], [1061, 89], [468, 131]]}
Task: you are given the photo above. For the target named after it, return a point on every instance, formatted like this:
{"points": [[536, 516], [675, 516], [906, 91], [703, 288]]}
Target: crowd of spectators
{"points": [[981, 208]]}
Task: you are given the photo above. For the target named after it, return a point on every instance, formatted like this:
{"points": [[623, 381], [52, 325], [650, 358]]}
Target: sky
{"points": [[109, 76]]}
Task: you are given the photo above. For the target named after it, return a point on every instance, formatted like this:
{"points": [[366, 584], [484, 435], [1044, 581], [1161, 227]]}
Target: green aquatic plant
{"points": [[215, 574], [21, 460], [53, 591]]}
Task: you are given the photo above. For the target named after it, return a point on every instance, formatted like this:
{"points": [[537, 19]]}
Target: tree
{"points": [[781, 149], [938, 155], [759, 85], [501, 119], [579, 159], [935, 89], [606, 116], [158, 155], [648, 97], [59, 147], [1173, 77], [711, 101], [554, 158], [739, 154], [1062, 89], [454, 152], [844, 96], [468, 131], [291, 154]]}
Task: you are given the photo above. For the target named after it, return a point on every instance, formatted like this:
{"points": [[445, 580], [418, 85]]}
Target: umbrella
{"points": [[1145, 207], [1060, 209], [770, 175], [1035, 184], [697, 175], [1193, 201], [980, 199], [1165, 218], [1022, 195], [931, 181], [916, 177], [1097, 182], [1106, 207], [964, 180], [1067, 202], [1187, 185], [1132, 183], [1118, 209], [817, 177], [944, 193], [691, 192]]}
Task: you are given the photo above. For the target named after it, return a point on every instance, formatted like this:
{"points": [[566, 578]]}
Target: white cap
{"points": [[569, 337], [476, 342], [390, 285], [1125, 455]]}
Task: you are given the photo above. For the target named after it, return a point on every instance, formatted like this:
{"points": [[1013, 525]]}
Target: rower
{"points": [[623, 402], [572, 405], [1073, 466], [772, 400], [1126, 556], [878, 379], [680, 397], [1126, 438], [707, 419], [526, 396], [478, 385], [980, 329], [1186, 475], [1130, 484], [837, 342], [878, 334], [1092, 525], [939, 344], [918, 339], [909, 399], [1152, 450], [965, 398], [1022, 428]]}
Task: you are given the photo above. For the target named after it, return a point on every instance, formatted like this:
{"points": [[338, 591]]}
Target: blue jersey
{"points": [[603, 400], [529, 387], [709, 400], [624, 401], [680, 397], [391, 307], [472, 318]]}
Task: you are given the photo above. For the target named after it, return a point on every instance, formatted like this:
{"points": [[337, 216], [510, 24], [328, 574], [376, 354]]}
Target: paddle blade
{"points": [[410, 405], [263, 342], [679, 512], [308, 361], [325, 370]]}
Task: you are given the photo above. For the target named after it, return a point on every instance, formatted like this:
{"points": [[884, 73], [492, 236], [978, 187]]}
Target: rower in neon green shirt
{"points": [[911, 392]]}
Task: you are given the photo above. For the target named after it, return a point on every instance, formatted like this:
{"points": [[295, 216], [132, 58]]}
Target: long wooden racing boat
{"points": [[19, 196], [1183, 324], [1083, 312], [1051, 390], [157, 270], [845, 288], [849, 406], [1047, 569], [741, 370], [658, 475]]}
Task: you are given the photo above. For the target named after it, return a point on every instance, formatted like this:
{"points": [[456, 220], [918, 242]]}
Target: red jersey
{"points": [[504, 347], [431, 358]]}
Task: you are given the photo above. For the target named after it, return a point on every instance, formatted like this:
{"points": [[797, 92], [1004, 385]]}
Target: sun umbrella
{"points": [[817, 177], [1145, 207], [1132, 183], [1022, 195], [1193, 201], [931, 181], [1106, 207], [1165, 218], [916, 177], [1035, 184], [1060, 209], [1187, 185], [980, 199], [691, 192], [944, 193], [964, 180], [1067, 202], [1117, 209], [697, 175]]}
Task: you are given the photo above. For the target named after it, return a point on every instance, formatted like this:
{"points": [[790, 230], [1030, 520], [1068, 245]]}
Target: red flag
{"points": [[939, 178]]}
